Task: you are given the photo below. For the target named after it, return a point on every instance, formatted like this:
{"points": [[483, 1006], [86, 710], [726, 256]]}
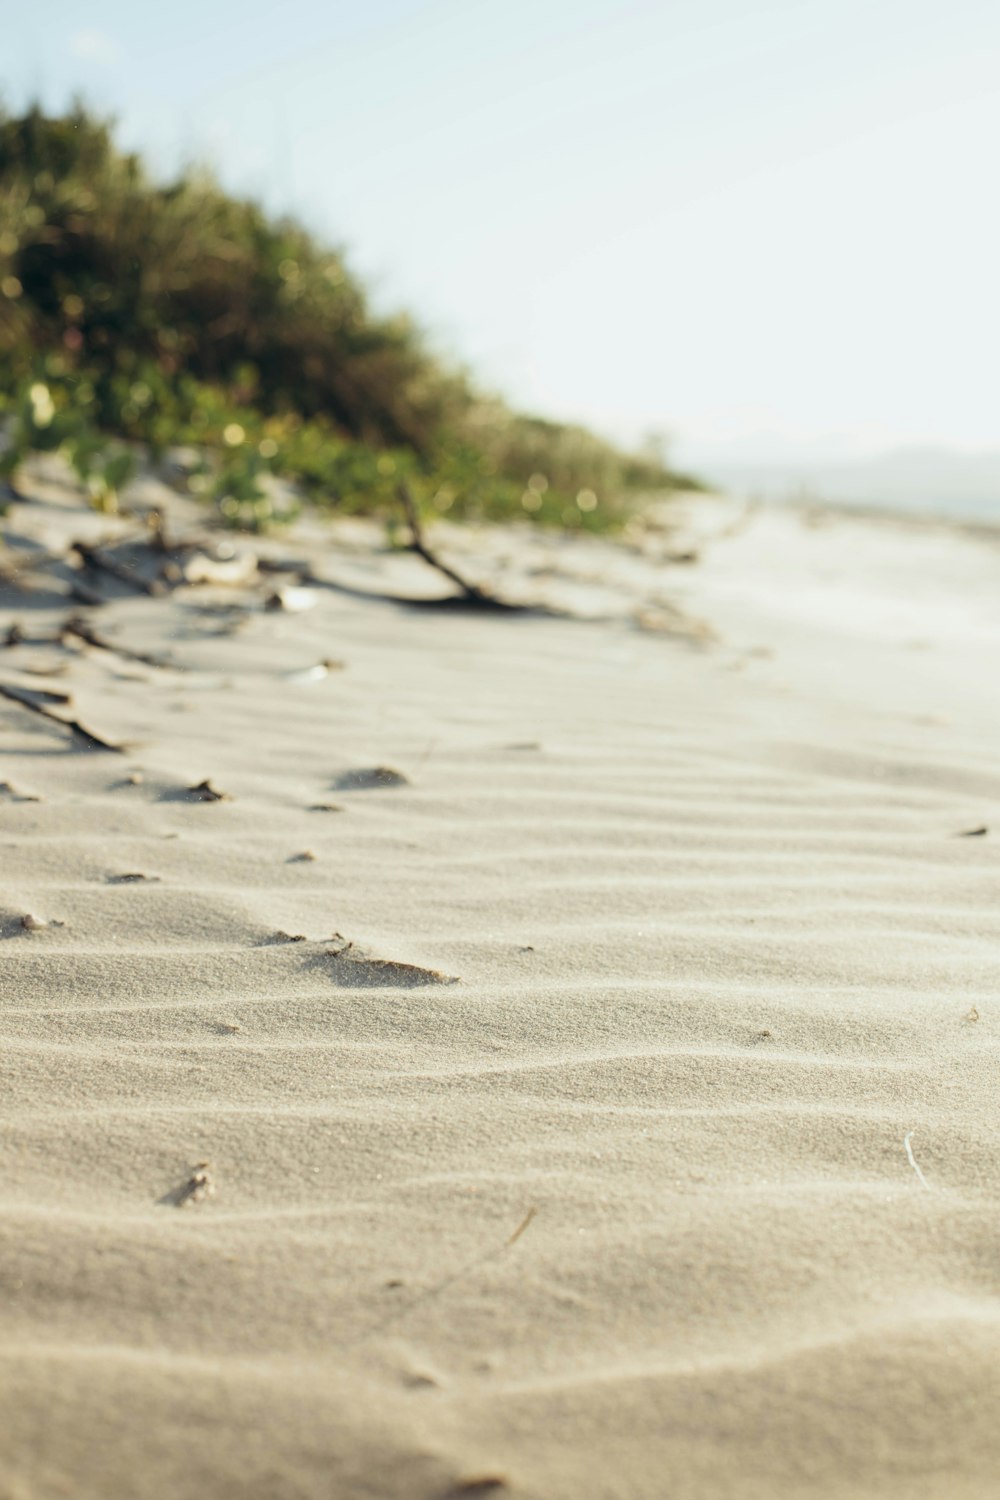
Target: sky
{"points": [[734, 222]]}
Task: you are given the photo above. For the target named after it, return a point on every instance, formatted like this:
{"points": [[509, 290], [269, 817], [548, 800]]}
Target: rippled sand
{"points": [[660, 1160]]}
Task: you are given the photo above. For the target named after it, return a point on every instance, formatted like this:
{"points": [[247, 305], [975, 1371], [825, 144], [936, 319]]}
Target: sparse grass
{"points": [[134, 313]]}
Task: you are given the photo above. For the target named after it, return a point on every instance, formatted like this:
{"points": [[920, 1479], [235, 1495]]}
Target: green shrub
{"points": [[180, 313]]}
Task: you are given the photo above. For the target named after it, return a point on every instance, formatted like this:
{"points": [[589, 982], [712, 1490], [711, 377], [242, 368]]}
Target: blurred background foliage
{"points": [[137, 315]]}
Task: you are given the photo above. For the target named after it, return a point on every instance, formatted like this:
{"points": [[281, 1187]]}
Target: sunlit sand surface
{"points": [[561, 1063]]}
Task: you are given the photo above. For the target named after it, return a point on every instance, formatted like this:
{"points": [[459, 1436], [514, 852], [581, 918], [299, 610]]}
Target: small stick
{"points": [[48, 695], [80, 732], [83, 632], [523, 1225], [420, 547], [92, 558], [912, 1159]]}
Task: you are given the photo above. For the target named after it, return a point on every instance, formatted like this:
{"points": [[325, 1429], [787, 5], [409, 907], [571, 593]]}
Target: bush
{"points": [[180, 313]]}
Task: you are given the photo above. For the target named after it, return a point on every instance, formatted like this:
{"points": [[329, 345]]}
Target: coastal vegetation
{"points": [[143, 319]]}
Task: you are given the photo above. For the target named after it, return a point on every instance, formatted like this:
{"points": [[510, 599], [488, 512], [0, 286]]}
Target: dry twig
{"points": [[78, 627], [472, 592], [98, 561], [79, 731], [523, 1225]]}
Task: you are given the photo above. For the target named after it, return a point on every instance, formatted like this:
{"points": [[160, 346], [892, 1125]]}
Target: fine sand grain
{"points": [[605, 1109]]}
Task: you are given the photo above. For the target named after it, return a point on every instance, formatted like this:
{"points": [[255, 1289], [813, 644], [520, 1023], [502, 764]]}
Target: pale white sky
{"points": [[717, 217]]}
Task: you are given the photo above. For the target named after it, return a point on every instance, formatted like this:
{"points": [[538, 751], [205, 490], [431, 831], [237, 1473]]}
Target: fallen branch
{"points": [[79, 628], [471, 591], [79, 731], [449, 602], [98, 561]]}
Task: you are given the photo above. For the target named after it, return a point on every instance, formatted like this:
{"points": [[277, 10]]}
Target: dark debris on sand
{"points": [[369, 779], [206, 792]]}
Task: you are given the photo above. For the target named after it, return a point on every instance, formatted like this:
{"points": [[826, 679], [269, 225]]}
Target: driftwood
{"points": [[79, 731], [79, 628], [420, 547], [456, 603], [470, 597], [91, 557]]}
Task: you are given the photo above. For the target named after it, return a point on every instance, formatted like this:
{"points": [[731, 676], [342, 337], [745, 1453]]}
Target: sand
{"points": [[606, 1107]]}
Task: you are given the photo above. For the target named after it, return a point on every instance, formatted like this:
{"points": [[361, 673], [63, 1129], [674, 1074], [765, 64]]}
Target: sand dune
{"points": [[642, 1144]]}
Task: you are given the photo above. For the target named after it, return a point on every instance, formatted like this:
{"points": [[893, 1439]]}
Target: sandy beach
{"points": [[562, 1063]]}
